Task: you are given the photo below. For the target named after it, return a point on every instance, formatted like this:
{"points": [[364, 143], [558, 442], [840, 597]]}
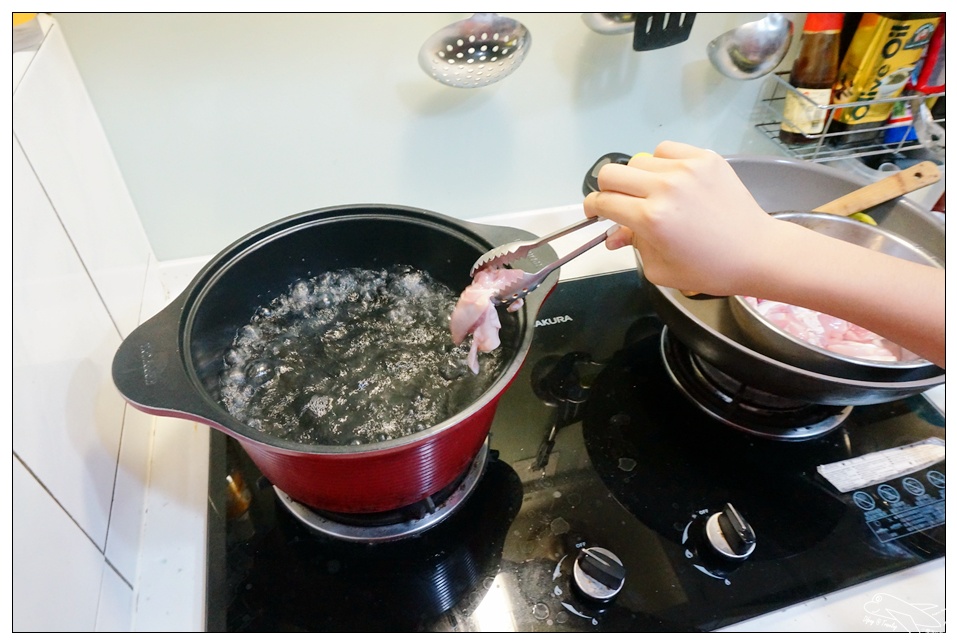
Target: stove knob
{"points": [[598, 574], [729, 534]]}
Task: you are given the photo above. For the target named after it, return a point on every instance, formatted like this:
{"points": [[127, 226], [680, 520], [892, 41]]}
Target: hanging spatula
{"points": [[659, 30]]}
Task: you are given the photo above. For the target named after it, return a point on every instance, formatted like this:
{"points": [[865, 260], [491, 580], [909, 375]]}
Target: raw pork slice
{"points": [[829, 332], [474, 314]]}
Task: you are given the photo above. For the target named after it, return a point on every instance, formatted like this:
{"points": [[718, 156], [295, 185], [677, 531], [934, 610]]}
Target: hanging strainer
{"points": [[475, 52]]}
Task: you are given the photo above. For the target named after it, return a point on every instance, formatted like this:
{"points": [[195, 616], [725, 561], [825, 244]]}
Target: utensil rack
{"points": [[827, 146]]}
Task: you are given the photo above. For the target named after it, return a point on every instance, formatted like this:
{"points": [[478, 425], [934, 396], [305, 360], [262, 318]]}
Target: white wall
{"points": [[222, 123], [81, 268]]}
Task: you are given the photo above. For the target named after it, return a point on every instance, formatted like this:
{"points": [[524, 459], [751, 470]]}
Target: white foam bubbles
{"points": [[352, 356]]}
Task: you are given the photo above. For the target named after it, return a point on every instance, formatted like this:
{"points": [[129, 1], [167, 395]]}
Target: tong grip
{"points": [[507, 253], [561, 232]]}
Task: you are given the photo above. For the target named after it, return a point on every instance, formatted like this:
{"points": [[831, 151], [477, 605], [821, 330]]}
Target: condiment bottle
{"points": [[929, 74], [813, 76], [876, 67]]}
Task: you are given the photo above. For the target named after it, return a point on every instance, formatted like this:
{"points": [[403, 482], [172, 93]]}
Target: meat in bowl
{"points": [[830, 333]]}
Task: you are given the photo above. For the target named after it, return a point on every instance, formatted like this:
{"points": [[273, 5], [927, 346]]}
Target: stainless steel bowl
{"points": [[706, 326], [781, 344]]}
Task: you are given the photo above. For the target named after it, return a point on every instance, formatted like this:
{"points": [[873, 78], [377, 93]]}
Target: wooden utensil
{"points": [[917, 176]]}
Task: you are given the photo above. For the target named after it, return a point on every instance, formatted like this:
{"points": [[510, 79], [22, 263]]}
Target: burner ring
{"points": [[330, 526], [742, 406]]}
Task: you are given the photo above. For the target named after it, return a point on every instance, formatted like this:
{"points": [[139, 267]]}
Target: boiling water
{"points": [[352, 356]]}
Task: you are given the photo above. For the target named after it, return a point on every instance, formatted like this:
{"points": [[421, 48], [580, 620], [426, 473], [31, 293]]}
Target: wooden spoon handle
{"points": [[900, 183]]}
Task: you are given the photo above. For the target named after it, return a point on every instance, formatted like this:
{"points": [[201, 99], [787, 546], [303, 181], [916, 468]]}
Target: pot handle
{"points": [[149, 370]]}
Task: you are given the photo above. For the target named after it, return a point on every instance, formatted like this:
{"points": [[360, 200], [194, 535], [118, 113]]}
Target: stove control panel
{"points": [[729, 534], [598, 574], [718, 542]]}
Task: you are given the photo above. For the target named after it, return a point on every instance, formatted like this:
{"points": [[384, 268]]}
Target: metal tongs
{"points": [[499, 256]]}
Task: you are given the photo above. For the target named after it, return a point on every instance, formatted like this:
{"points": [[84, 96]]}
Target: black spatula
{"points": [[659, 30]]}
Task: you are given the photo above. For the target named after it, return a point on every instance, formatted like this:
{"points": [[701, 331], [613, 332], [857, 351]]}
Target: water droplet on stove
{"points": [[561, 618], [540, 611], [557, 494], [559, 526], [619, 420], [626, 464]]}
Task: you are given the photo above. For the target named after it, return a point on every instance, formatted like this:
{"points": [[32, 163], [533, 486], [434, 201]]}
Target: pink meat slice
{"points": [[474, 314], [829, 332]]}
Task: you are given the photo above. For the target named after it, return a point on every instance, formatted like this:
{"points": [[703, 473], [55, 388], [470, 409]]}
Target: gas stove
{"points": [[612, 495]]}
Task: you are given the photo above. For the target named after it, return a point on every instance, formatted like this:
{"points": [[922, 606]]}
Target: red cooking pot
{"points": [[171, 364]]}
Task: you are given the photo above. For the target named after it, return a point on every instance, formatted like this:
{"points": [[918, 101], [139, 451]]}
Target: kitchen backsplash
{"points": [[222, 123]]}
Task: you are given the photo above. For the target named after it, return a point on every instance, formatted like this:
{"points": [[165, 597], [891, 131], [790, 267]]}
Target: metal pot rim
{"points": [[673, 296]]}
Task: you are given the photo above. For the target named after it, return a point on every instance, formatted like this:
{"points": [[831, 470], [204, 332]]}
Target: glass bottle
{"points": [[879, 60], [813, 76]]}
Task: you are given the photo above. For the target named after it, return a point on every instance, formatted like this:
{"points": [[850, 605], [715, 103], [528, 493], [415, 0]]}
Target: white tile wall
{"points": [[67, 417], [55, 123], [132, 473], [114, 611], [57, 569], [82, 273], [24, 58]]}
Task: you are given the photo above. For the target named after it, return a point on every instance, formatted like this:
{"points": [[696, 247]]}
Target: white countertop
{"points": [[170, 590]]}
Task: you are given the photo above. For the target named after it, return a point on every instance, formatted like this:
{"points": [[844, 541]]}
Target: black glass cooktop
{"points": [[593, 446]]}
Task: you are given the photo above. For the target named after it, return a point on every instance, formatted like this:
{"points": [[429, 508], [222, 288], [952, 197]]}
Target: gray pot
{"points": [[708, 326]]}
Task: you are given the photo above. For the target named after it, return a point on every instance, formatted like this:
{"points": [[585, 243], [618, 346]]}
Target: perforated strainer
{"points": [[475, 52]]}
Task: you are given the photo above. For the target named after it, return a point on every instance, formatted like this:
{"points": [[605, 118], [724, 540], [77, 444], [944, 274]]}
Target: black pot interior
{"points": [[255, 270]]}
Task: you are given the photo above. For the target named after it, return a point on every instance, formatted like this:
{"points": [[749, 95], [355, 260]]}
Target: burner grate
{"points": [[396, 524], [744, 406]]}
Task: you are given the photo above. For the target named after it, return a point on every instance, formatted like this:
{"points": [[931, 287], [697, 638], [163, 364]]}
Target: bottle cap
{"points": [[824, 22]]}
